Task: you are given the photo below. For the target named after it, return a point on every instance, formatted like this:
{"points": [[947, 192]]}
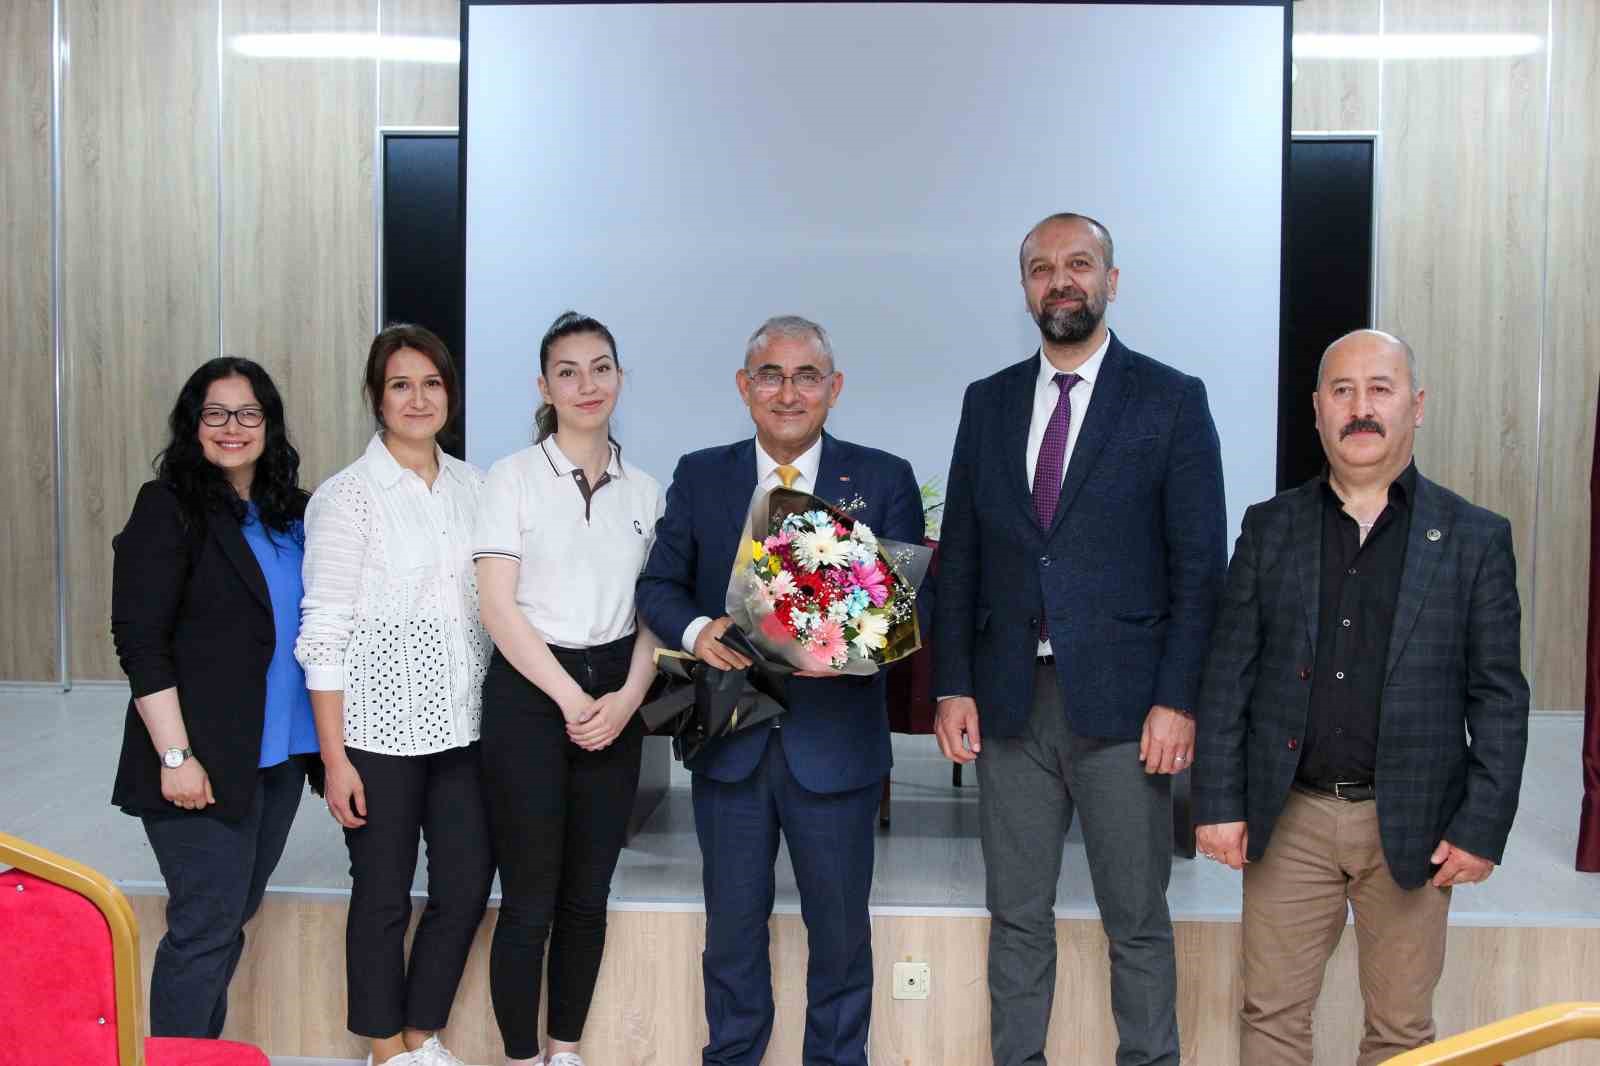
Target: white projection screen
{"points": [[683, 171]]}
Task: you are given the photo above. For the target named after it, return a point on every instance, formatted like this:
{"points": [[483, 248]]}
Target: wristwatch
{"points": [[173, 758]]}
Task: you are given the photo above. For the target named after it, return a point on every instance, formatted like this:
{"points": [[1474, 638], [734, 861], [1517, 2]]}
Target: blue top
{"points": [[288, 727]]}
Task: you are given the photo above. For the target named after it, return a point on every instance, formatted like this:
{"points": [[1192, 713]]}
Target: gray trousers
{"points": [[1031, 786]]}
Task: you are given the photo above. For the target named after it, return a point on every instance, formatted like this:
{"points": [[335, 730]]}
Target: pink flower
{"points": [[872, 580], [772, 625], [827, 641], [778, 540]]}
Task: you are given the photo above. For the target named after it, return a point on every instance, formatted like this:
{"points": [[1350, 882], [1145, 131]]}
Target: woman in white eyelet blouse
{"points": [[395, 655]]}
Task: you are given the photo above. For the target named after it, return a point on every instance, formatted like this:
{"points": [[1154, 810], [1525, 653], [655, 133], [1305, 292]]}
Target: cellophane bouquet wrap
{"points": [[817, 589]]}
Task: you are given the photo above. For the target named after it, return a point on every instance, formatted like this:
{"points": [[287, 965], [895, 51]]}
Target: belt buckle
{"points": [[1338, 785]]}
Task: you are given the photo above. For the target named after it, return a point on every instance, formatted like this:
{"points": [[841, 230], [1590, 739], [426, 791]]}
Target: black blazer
{"points": [[1453, 724], [190, 608], [1128, 573]]}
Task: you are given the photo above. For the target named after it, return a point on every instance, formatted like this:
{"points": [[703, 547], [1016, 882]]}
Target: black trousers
{"points": [[439, 798], [216, 873], [559, 815]]}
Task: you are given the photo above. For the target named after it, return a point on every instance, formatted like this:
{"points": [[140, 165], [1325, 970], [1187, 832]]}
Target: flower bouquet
{"points": [[817, 589]]}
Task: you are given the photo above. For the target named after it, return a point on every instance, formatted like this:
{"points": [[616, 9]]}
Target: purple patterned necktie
{"points": [[1051, 465]]}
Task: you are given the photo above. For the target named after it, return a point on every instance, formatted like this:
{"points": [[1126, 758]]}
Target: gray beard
{"points": [[1066, 326]]}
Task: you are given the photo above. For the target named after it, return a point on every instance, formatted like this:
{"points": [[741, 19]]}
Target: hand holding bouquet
{"points": [[817, 589]]}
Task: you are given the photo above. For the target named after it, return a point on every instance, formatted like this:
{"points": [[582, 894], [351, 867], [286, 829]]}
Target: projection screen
{"points": [[684, 171]]}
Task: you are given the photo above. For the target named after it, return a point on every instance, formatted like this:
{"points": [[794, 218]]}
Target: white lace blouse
{"points": [[390, 614]]}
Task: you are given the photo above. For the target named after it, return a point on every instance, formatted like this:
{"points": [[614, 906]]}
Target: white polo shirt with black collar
{"points": [[580, 547]]}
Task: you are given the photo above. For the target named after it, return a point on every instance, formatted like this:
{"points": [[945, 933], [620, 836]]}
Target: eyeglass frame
{"points": [[823, 378], [236, 414]]}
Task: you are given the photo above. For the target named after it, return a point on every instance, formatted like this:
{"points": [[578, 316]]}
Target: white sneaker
{"points": [[564, 1058], [405, 1058], [433, 1053]]}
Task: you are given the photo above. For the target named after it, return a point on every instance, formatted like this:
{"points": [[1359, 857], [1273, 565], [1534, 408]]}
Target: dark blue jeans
{"points": [[216, 873]]}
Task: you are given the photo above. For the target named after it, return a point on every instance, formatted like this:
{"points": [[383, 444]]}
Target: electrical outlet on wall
{"points": [[911, 980]]}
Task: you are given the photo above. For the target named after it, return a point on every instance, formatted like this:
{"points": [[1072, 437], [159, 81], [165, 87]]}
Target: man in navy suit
{"points": [[1080, 566], [814, 774]]}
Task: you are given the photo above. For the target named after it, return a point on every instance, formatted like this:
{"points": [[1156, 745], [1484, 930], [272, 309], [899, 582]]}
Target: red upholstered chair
{"points": [[70, 988]]}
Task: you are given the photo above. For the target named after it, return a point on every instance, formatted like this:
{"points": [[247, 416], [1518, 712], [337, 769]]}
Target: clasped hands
{"points": [[1166, 744], [593, 724]]}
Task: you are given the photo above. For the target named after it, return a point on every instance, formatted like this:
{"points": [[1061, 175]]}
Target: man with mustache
{"points": [[1363, 717], [1080, 564]]}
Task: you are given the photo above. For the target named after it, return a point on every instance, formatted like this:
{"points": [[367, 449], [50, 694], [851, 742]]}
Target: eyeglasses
{"points": [[769, 381], [217, 417]]}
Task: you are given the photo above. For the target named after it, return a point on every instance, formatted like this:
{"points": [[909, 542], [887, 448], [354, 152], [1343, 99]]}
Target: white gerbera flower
{"points": [[872, 632], [781, 585], [862, 533], [818, 550]]}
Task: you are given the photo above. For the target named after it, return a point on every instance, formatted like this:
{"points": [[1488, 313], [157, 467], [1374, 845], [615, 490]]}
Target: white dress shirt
{"points": [[767, 479], [390, 614], [1045, 397], [579, 559]]}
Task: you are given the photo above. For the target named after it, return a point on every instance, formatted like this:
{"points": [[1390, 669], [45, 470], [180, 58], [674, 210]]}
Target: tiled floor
{"points": [[58, 753]]}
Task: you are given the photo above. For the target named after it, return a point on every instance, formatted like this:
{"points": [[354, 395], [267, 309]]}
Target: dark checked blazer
{"points": [[1453, 724], [836, 734], [1127, 575]]}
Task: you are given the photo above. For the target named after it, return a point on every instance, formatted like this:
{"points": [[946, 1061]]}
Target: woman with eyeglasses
{"points": [[563, 531], [394, 654], [205, 607]]}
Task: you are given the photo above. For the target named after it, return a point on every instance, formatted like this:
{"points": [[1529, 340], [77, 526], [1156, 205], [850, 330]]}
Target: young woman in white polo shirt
{"points": [[563, 531], [394, 656]]}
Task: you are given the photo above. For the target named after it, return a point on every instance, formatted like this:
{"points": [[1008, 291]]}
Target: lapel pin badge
{"points": [[844, 477], [1434, 534]]}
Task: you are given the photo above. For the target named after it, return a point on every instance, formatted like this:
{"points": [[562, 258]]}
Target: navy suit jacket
{"points": [[836, 734], [1128, 574], [1453, 724]]}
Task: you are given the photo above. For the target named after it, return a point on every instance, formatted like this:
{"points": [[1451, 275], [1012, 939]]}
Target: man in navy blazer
{"points": [[1080, 565], [815, 773]]}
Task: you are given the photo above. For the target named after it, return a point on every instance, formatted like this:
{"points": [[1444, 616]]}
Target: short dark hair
{"points": [[201, 487], [1101, 234], [567, 324], [391, 339]]}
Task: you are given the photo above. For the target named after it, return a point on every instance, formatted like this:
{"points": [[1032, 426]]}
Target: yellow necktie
{"points": [[787, 475]]}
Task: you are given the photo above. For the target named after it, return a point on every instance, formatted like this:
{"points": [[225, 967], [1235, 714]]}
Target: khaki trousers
{"points": [[1324, 853]]}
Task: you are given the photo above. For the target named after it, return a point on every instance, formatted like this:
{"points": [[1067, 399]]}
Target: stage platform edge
{"points": [[289, 994]]}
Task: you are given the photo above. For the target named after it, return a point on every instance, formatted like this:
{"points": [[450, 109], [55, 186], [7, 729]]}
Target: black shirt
{"points": [[1360, 586]]}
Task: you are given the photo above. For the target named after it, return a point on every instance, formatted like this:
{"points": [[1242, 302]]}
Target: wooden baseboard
{"points": [[289, 996]]}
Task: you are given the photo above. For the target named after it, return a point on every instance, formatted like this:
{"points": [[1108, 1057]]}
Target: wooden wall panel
{"points": [[139, 266], [289, 995], [1461, 242], [1335, 94], [413, 93], [1572, 360], [28, 645], [297, 228]]}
